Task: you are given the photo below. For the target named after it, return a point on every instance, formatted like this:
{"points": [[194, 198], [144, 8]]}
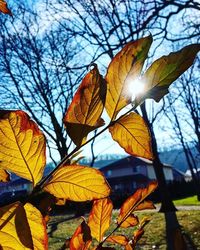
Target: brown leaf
{"points": [[83, 114], [132, 134], [126, 66], [100, 217], [4, 8]]}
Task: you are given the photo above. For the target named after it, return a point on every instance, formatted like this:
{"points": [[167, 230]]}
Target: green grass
{"points": [[187, 201], [154, 237]]}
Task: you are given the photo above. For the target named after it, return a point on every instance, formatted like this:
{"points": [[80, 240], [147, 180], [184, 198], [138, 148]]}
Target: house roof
{"points": [[129, 161]]}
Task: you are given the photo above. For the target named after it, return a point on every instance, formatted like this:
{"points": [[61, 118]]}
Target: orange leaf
{"points": [[83, 114], [81, 239], [132, 134], [131, 221], [145, 205], [136, 236], [22, 145], [100, 217], [4, 176], [37, 226], [78, 183], [4, 8], [14, 228], [167, 69], [134, 201], [126, 66], [118, 239]]}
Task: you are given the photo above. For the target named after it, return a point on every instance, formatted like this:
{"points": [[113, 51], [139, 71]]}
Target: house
{"points": [[130, 173]]}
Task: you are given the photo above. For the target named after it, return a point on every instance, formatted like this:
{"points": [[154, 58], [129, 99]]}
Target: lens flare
{"points": [[135, 88]]}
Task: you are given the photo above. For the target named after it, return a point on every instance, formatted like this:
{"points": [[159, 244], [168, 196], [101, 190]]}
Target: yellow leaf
{"points": [[81, 239], [100, 217], [126, 66], [22, 146], [167, 69], [4, 8], [78, 183], [37, 226], [4, 176], [83, 114], [118, 239], [134, 201], [14, 228], [133, 135]]}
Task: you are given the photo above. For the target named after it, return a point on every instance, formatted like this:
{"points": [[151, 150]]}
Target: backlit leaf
{"points": [[14, 228], [22, 145], [100, 217], [118, 239], [134, 201], [4, 176], [125, 67], [145, 205], [83, 114], [4, 8], [37, 226], [132, 134], [131, 221], [81, 239], [78, 183], [167, 69]]}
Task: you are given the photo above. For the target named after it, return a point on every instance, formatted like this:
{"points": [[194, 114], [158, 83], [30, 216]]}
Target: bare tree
{"points": [[37, 73]]}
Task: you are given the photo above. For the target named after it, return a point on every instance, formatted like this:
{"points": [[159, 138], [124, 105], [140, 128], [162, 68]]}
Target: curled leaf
{"points": [[4, 8], [22, 146], [125, 67], [83, 114], [132, 134], [100, 217], [81, 238], [78, 183], [167, 69], [118, 239]]}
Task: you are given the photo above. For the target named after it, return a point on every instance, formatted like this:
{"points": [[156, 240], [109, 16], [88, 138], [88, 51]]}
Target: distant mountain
{"points": [[176, 158]]}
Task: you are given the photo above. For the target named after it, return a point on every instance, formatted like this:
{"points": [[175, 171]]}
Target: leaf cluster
{"points": [[23, 150]]}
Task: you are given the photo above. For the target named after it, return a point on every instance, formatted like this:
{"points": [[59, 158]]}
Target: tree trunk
{"points": [[166, 201]]}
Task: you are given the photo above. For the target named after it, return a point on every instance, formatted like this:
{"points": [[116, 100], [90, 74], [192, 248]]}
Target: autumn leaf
{"points": [[132, 134], [118, 239], [131, 221], [14, 228], [37, 226], [81, 238], [167, 69], [100, 217], [78, 183], [125, 67], [83, 114], [22, 146], [4, 8], [134, 201], [145, 205], [4, 176]]}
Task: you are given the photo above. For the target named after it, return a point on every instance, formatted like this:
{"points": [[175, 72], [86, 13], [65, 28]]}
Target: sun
{"points": [[135, 88]]}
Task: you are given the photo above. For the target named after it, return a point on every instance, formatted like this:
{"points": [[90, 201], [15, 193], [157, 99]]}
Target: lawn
{"points": [[154, 237], [192, 200]]}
